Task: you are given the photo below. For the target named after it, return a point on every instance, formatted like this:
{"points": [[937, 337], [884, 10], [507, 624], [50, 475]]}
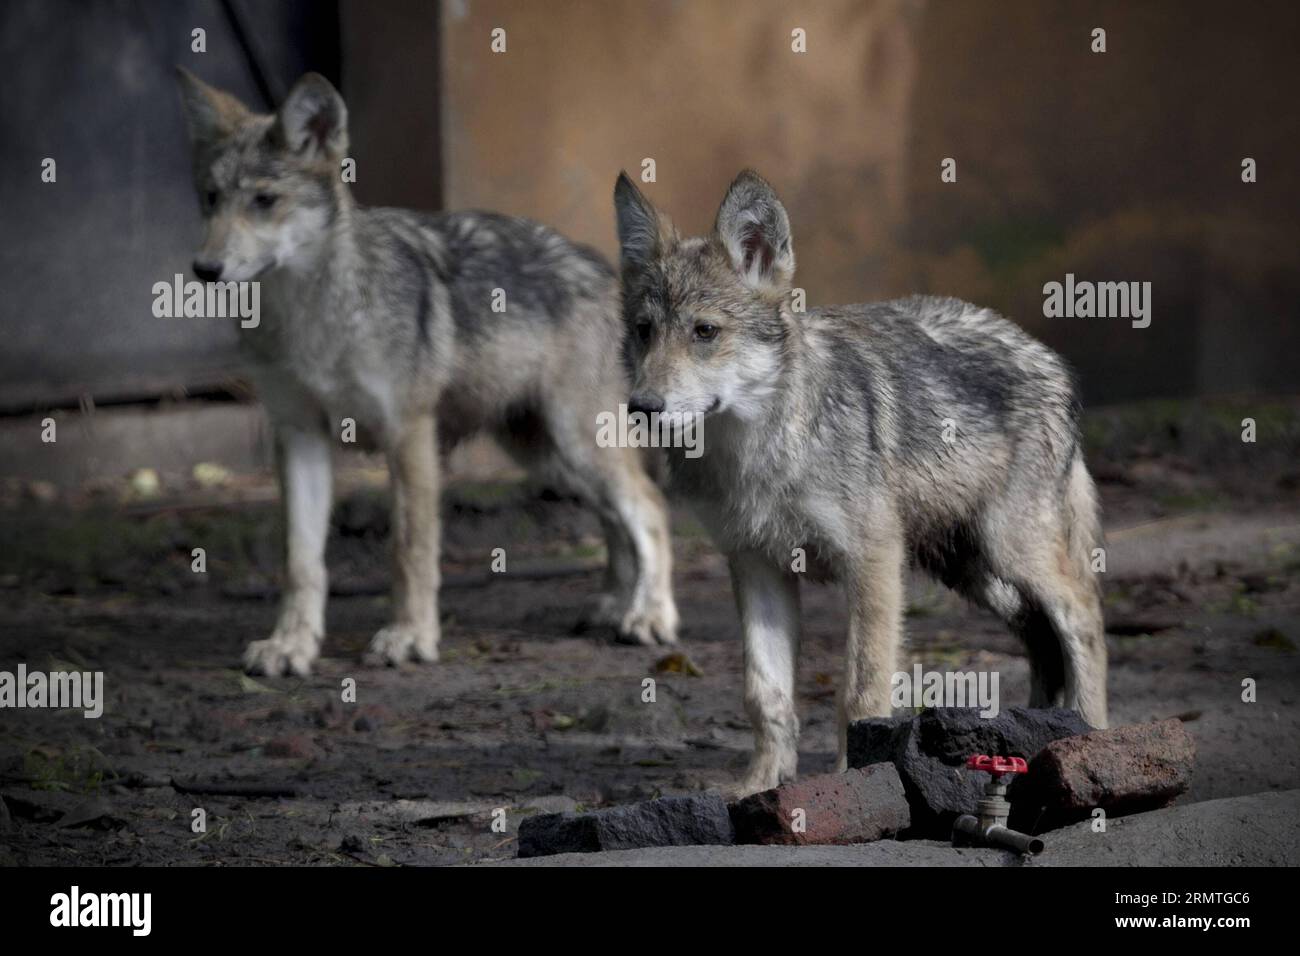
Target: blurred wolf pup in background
{"points": [[384, 316], [856, 438]]}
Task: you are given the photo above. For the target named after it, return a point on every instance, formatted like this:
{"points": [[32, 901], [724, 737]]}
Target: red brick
{"points": [[1123, 770], [858, 806]]}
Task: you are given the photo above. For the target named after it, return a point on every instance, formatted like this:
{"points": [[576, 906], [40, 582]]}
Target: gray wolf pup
{"points": [[385, 317], [860, 437]]}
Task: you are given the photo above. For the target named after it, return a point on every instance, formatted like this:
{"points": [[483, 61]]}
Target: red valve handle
{"points": [[997, 765]]}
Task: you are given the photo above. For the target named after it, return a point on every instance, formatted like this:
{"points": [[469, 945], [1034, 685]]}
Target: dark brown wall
{"points": [[1122, 166], [391, 82], [1115, 166]]}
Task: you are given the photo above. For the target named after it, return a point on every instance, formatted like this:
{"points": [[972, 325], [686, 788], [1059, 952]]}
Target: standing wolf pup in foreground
{"points": [[865, 435], [385, 316]]}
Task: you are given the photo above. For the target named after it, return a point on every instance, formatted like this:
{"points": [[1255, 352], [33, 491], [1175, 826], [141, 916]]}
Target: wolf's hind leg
{"points": [[1044, 647], [1045, 555], [636, 599], [618, 592], [640, 547], [416, 528], [306, 481], [635, 517], [1064, 635]]}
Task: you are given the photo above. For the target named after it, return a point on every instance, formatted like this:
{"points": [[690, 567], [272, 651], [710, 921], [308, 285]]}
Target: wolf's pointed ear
{"points": [[313, 121], [755, 230], [641, 233], [210, 114]]}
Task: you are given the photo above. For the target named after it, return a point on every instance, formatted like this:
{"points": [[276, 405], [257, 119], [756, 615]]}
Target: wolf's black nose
{"points": [[647, 403], [207, 271]]}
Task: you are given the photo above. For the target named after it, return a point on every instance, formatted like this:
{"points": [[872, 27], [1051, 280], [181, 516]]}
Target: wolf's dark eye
{"points": [[643, 330], [210, 198], [264, 200], [705, 332]]}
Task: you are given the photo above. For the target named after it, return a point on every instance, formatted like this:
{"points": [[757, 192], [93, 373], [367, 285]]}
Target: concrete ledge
{"points": [[1262, 829], [882, 853], [172, 438], [1258, 830]]}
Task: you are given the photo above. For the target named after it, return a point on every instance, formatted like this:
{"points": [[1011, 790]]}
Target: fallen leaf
{"points": [[250, 686], [677, 663]]}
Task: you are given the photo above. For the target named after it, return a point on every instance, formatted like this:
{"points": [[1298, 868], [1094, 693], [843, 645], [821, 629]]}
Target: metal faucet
{"points": [[989, 826]]}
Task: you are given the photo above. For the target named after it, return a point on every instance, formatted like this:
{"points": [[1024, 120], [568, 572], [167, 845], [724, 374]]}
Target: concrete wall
{"points": [[91, 85], [1116, 166]]}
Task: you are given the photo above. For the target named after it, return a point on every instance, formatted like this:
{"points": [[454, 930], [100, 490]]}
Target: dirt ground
{"points": [[523, 715]]}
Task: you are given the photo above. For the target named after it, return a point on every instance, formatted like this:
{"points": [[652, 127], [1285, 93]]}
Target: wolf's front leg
{"points": [[767, 596], [303, 462], [874, 586], [413, 467]]}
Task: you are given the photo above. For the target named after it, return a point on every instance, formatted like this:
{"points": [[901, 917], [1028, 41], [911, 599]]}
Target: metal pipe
{"points": [[1013, 840], [997, 835]]}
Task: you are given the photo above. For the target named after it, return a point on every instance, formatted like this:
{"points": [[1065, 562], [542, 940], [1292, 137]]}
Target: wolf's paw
{"points": [[735, 790], [282, 653], [762, 775], [647, 629], [630, 624], [745, 787], [399, 643]]}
